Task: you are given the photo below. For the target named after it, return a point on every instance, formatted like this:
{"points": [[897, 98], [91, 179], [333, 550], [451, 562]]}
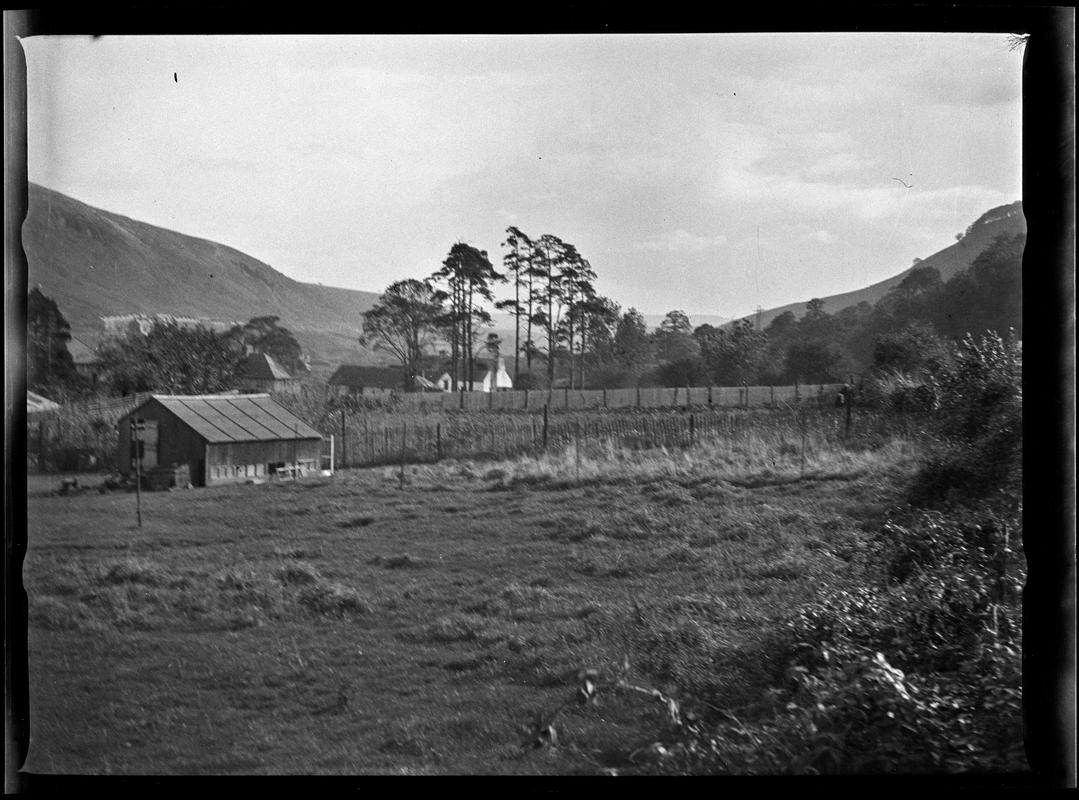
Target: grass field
{"points": [[358, 624]]}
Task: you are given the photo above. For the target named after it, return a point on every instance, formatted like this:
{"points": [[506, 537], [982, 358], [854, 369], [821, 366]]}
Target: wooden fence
{"points": [[652, 397], [369, 440]]}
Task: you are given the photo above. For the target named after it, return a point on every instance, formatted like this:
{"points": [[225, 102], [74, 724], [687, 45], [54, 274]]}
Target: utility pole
{"points": [[138, 470]]}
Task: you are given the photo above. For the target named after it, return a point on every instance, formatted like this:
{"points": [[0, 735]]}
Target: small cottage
{"points": [[218, 438], [261, 373], [489, 376], [86, 361], [351, 379]]}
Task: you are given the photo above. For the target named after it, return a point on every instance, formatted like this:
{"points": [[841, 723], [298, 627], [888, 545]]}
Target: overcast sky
{"points": [[709, 173]]}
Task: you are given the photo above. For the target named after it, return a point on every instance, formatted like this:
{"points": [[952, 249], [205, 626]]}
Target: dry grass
{"points": [[357, 625]]}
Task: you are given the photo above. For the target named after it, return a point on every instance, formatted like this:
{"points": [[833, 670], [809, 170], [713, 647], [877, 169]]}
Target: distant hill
{"points": [[94, 263], [1007, 220]]}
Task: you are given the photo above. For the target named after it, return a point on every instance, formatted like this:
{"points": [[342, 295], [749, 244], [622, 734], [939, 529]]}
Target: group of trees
{"points": [[565, 331], [554, 304], [168, 358]]}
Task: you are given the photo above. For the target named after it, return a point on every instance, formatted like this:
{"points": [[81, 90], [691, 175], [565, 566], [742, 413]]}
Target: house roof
{"points": [[234, 417], [81, 353], [260, 366], [37, 403], [361, 377]]}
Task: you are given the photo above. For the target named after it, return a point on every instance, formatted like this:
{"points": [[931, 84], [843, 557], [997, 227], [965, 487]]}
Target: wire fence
{"points": [[362, 440], [430, 427]]}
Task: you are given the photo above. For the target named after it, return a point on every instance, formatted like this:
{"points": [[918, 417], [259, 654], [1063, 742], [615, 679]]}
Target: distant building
{"points": [[39, 404], [86, 361], [351, 379], [260, 373], [487, 376], [225, 438]]}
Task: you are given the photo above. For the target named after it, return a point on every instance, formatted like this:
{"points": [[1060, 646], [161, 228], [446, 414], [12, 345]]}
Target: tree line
{"points": [[566, 333]]}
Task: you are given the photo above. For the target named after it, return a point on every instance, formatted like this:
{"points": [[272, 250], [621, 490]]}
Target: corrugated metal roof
{"points": [[236, 417]]}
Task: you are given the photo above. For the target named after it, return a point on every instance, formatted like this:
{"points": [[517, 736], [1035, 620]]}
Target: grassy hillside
{"points": [[1007, 219], [95, 263]]}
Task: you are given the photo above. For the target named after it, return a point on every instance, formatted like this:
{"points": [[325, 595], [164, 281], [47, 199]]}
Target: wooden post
{"points": [[138, 470], [491, 399], [533, 429], [772, 396], [709, 395], [462, 398], [344, 440], [692, 429], [849, 401], [638, 397], [604, 396], [565, 404], [526, 399], [331, 454], [545, 427], [688, 404], [404, 444], [438, 440], [577, 449]]}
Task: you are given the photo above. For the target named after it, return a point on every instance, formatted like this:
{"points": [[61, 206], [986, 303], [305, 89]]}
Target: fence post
{"points": [[772, 396], [526, 399], [565, 403], [638, 396], [849, 402], [604, 396], [533, 416], [438, 440], [544, 427], [577, 449], [709, 395], [491, 399], [692, 429], [404, 428], [462, 398], [344, 440]]}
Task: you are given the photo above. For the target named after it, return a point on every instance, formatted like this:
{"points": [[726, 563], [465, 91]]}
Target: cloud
{"points": [[681, 241], [838, 164], [822, 236]]}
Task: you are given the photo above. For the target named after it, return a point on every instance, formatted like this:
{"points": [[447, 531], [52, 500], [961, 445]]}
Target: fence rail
{"points": [[363, 440], [428, 427], [649, 397]]}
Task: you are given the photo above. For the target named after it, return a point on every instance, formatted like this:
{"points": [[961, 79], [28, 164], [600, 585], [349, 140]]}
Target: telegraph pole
{"points": [[138, 470]]}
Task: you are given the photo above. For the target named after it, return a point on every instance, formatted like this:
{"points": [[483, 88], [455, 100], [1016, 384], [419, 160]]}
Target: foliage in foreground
{"points": [[912, 666]]}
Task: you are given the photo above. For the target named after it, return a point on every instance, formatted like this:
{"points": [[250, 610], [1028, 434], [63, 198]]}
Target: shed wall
{"points": [[177, 443], [231, 462]]}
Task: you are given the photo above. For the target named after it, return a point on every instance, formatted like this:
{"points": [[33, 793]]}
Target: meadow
{"points": [[433, 621]]}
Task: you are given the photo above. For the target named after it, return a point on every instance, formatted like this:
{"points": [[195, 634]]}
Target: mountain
{"points": [[94, 263], [1007, 220]]}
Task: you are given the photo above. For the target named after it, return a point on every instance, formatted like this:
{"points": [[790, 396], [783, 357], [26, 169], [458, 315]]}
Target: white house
{"points": [[486, 377]]}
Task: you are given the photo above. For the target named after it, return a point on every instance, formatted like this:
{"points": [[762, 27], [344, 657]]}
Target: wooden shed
{"points": [[225, 438]]}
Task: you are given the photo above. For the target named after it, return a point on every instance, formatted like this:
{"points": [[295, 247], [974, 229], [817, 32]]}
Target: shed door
{"points": [[146, 433]]}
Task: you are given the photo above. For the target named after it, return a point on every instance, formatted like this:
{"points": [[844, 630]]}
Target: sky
{"points": [[711, 173]]}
